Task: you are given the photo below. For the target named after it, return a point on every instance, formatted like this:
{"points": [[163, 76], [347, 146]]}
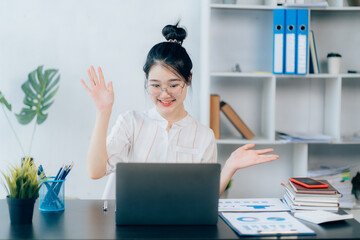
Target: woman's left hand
{"points": [[246, 157]]}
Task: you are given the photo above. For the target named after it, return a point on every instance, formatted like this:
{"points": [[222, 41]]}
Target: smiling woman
{"points": [[165, 133], [167, 92]]}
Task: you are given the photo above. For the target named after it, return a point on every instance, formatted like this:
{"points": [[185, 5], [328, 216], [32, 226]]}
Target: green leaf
{"points": [[51, 95], [47, 106], [28, 91], [26, 116], [32, 80], [39, 91], [29, 103], [40, 75], [49, 74], [52, 85], [22, 181], [41, 118], [3, 101]]}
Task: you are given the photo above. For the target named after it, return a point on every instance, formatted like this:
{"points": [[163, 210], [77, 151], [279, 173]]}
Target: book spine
{"points": [[314, 59], [215, 114], [236, 120]]}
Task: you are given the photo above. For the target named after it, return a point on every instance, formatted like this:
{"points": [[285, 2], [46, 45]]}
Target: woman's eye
{"points": [[174, 85], [155, 85]]}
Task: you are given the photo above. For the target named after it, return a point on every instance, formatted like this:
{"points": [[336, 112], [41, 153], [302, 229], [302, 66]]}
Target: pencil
{"points": [[105, 207]]}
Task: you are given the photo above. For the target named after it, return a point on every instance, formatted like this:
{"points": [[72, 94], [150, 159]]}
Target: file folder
{"points": [[290, 40], [278, 40], [302, 41]]}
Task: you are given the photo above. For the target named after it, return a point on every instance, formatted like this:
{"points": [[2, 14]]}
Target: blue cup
{"points": [[52, 195]]}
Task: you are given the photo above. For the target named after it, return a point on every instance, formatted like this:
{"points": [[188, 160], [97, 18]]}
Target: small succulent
{"points": [[22, 181]]}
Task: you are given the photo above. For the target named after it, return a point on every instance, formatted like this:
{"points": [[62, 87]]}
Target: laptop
{"points": [[167, 193]]}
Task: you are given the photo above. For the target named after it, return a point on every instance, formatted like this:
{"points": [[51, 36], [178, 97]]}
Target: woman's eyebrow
{"points": [[170, 80]]}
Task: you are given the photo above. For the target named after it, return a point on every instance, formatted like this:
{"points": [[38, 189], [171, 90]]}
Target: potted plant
{"points": [[22, 185], [40, 89]]}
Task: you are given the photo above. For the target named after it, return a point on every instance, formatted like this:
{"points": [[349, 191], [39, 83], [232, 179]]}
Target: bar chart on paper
{"points": [[252, 205]]}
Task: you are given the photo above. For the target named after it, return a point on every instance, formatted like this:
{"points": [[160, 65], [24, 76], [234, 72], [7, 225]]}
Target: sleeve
{"points": [[210, 152], [119, 142]]}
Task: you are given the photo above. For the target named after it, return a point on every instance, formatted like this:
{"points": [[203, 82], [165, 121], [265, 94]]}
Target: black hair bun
{"points": [[174, 32]]}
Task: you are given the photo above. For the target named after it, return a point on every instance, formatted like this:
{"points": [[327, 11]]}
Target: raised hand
{"points": [[245, 157], [102, 96]]}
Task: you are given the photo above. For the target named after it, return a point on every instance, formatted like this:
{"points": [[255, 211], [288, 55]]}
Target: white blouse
{"points": [[142, 137]]}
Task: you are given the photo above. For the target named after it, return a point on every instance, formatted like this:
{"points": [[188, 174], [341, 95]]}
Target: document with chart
{"points": [[265, 223], [252, 205]]}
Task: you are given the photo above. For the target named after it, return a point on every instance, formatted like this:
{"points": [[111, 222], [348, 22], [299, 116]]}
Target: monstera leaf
{"points": [[39, 89], [3, 101]]}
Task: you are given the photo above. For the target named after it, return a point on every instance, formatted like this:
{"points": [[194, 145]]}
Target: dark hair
{"points": [[171, 54]]}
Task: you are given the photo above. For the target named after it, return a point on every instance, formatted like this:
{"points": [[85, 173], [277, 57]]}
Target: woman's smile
{"points": [[166, 103]]}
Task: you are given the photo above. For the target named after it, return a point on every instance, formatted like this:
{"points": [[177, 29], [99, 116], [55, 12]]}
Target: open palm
{"points": [[102, 96], [245, 157]]}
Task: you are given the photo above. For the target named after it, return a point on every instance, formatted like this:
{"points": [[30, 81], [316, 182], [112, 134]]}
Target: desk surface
{"points": [[84, 219]]}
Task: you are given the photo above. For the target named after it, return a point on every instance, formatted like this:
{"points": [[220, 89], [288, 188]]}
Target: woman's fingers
{"points": [[110, 87], [248, 146], [85, 86], [267, 158], [101, 76], [93, 72], [91, 80], [262, 151]]}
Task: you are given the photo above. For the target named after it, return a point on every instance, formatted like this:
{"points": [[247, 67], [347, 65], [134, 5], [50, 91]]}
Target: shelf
{"points": [[350, 106], [350, 75], [342, 142], [263, 141], [240, 74], [311, 76], [240, 7], [336, 9], [241, 141], [323, 103], [266, 74], [265, 7]]}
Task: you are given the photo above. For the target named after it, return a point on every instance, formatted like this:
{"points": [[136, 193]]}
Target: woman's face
{"points": [[167, 90]]}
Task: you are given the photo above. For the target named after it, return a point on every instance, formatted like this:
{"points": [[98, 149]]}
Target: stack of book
{"points": [[298, 197], [295, 137], [340, 178]]}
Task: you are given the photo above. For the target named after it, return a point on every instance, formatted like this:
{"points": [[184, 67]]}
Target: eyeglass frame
{"points": [[163, 89]]}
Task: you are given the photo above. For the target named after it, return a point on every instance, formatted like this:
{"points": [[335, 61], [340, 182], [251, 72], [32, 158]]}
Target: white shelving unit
{"points": [[316, 103]]}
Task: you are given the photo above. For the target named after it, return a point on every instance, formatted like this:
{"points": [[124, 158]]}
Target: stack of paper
{"points": [[307, 5], [265, 223], [303, 137], [300, 198], [321, 216], [252, 205], [340, 179], [260, 217]]}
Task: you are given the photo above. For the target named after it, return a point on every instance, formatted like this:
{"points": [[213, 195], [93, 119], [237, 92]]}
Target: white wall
{"points": [[70, 36]]}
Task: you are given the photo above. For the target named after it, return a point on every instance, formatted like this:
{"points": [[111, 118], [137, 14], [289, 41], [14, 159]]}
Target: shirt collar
{"points": [[154, 114]]}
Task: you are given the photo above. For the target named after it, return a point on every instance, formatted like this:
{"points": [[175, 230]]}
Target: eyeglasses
{"points": [[174, 89]]}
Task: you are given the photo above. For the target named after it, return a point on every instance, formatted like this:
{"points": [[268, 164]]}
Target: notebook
{"points": [[167, 193]]}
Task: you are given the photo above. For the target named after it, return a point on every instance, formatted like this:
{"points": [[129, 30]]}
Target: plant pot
{"points": [[21, 210]]}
